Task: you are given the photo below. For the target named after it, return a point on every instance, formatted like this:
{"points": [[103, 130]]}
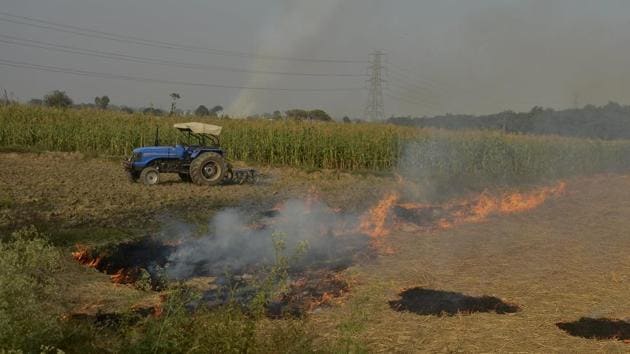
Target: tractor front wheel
{"points": [[150, 176], [208, 169]]}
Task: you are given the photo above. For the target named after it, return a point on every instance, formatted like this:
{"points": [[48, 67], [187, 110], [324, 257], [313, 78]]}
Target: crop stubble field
{"points": [[562, 261]]}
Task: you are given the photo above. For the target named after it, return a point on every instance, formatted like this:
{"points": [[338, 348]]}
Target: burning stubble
{"points": [[240, 247], [241, 241]]}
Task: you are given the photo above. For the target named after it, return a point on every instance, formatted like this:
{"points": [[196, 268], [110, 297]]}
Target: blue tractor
{"points": [[198, 159]]}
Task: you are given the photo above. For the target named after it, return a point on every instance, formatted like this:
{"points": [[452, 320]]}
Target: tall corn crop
{"points": [[471, 158]]}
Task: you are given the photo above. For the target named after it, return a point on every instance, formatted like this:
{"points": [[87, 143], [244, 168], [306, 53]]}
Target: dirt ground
{"points": [[569, 258]]}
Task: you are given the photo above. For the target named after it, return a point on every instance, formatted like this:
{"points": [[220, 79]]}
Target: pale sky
{"points": [[443, 56]]}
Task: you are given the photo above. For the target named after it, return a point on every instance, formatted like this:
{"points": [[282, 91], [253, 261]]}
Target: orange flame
{"points": [[378, 222], [375, 222], [512, 203], [122, 276], [486, 205], [83, 256]]}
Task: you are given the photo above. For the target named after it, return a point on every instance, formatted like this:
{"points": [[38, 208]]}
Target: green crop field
{"points": [[450, 157]]}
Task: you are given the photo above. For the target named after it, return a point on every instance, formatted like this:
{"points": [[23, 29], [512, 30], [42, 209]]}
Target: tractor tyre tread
{"points": [[196, 169]]}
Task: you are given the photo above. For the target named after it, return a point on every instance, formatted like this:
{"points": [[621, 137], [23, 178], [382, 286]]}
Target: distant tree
{"points": [[320, 115], [346, 119], [36, 102], [298, 114], [215, 110], [101, 102], [536, 110], [276, 115], [202, 111], [174, 97], [613, 107], [57, 99], [126, 109], [316, 114]]}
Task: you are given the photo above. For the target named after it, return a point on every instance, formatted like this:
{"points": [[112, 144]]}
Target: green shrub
{"points": [[28, 317]]}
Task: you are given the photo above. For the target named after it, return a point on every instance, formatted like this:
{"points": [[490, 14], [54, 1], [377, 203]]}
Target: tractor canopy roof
{"points": [[199, 128]]}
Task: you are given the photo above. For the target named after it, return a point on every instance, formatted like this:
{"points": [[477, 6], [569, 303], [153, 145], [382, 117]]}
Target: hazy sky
{"points": [[472, 56]]}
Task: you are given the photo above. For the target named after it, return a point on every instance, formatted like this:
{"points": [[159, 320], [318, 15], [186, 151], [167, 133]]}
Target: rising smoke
{"points": [[237, 240], [298, 24]]}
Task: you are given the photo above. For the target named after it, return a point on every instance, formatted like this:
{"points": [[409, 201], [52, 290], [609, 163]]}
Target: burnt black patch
{"points": [[423, 216], [437, 302], [597, 328], [144, 253], [129, 261]]}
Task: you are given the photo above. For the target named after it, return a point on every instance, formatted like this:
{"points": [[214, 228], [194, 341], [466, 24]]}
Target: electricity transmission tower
{"points": [[375, 109]]}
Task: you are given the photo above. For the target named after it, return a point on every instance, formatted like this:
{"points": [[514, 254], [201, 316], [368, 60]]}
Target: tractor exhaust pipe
{"points": [[157, 136]]}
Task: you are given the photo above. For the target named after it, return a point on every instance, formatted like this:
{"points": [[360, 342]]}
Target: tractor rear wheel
{"points": [[150, 176], [208, 169]]}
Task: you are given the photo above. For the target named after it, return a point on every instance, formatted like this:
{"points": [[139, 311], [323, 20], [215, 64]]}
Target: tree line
{"points": [[610, 121], [60, 99]]}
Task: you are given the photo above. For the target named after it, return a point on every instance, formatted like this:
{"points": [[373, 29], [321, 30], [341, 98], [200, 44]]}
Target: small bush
{"points": [[28, 319], [228, 329]]}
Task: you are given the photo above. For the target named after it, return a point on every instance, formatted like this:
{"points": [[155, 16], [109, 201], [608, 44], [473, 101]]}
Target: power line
{"points": [[397, 98], [87, 32], [410, 99], [375, 107], [403, 91], [48, 68], [12, 40], [407, 74], [406, 82]]}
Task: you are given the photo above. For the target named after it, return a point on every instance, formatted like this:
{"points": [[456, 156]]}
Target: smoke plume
{"points": [[299, 22], [238, 240]]}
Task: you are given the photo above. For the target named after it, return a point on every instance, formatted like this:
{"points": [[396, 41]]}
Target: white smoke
{"points": [[233, 244], [299, 21]]}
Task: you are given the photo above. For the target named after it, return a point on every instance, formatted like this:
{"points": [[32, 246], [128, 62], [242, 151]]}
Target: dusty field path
{"points": [[568, 259]]}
